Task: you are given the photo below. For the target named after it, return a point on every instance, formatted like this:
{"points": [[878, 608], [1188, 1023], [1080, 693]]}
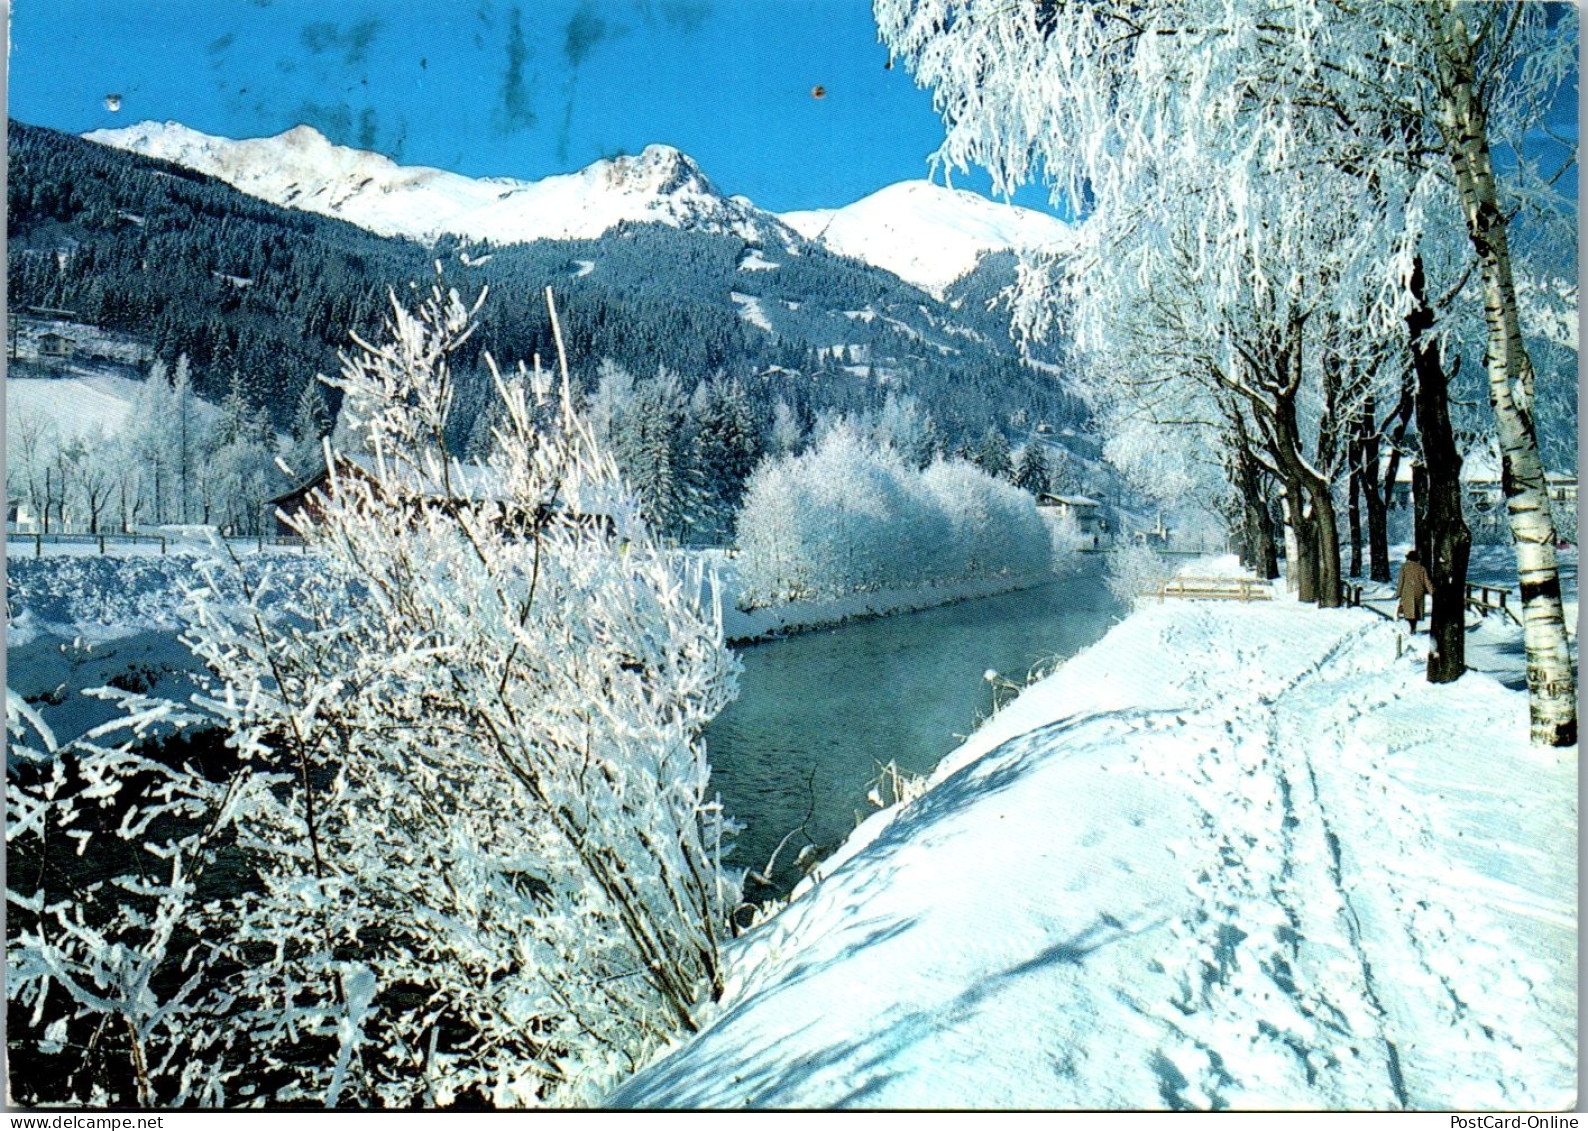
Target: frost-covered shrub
{"points": [[1136, 570], [111, 976], [994, 525], [472, 853], [849, 517]]}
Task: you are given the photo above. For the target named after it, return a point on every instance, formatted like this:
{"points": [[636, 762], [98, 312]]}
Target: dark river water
{"points": [[819, 713]]}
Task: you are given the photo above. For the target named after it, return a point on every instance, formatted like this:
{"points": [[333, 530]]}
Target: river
{"points": [[819, 713]]}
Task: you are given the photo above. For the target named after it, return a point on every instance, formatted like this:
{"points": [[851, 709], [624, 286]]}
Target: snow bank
{"points": [[75, 623], [744, 627], [1231, 856]]}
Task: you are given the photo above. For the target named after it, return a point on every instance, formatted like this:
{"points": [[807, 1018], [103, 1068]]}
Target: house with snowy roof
{"points": [[1481, 483], [1087, 513], [464, 483]]}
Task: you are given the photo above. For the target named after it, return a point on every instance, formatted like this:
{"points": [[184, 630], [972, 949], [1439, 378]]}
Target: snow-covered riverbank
{"points": [[1231, 856], [742, 626]]}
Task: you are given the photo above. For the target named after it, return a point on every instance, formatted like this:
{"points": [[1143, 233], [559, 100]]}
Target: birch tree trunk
{"points": [[1463, 124]]}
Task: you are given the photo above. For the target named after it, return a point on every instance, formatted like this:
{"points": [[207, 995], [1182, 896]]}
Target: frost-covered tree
{"points": [[187, 439], [654, 443], [31, 443], [787, 435], [1031, 471], [908, 429], [1102, 96], [92, 459], [311, 422], [472, 854], [849, 516], [994, 527], [728, 448], [992, 456], [240, 470]]}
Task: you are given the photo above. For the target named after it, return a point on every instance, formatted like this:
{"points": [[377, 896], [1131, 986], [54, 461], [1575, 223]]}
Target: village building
{"points": [[1086, 513], [20, 518], [1481, 484], [466, 482]]}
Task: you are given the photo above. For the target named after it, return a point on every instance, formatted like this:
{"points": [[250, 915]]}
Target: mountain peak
{"points": [[658, 169], [302, 169], [305, 135], [926, 233]]}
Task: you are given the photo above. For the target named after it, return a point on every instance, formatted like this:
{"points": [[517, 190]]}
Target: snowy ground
{"points": [[1494, 640], [1231, 856], [78, 622]]}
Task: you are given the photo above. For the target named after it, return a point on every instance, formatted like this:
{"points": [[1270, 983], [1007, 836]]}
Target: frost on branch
{"points": [[475, 859], [847, 517], [491, 708]]}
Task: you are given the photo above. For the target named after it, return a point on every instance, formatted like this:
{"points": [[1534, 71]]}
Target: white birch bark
{"points": [[1551, 683]]}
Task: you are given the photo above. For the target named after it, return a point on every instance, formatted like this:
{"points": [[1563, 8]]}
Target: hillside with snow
{"points": [[926, 234], [923, 233], [302, 169]]}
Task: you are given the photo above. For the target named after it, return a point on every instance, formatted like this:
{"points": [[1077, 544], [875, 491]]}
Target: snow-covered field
{"points": [[79, 622], [73, 406], [1231, 856]]}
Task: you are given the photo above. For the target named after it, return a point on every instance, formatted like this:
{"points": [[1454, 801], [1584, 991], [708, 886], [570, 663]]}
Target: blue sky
{"points": [[520, 88]]}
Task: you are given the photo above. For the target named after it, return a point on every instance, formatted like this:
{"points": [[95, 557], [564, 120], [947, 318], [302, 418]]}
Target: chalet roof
{"points": [[1067, 500], [465, 480]]}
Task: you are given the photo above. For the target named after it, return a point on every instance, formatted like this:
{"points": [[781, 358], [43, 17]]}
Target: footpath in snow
{"points": [[1232, 856]]}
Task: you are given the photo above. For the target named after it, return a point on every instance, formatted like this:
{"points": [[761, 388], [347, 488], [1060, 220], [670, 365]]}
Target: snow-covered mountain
{"points": [[926, 234], [302, 169]]}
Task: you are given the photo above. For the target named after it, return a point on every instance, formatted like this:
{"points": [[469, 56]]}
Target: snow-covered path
{"points": [[1232, 856]]}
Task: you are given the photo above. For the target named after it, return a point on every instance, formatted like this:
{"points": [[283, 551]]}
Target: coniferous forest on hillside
{"points": [[265, 297]]}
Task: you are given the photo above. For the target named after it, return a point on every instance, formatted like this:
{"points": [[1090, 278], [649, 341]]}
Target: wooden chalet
{"points": [[470, 483], [1087, 513]]}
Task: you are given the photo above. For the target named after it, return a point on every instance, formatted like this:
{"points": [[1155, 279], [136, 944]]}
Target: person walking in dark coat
{"points": [[1412, 587]]}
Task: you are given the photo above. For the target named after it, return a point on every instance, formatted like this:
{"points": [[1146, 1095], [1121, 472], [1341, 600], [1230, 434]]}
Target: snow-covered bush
{"points": [[995, 527], [109, 975], [843, 517], [848, 516], [1135, 570], [474, 859]]}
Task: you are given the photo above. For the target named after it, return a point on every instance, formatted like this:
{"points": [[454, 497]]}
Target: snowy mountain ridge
{"points": [[926, 234], [302, 169]]}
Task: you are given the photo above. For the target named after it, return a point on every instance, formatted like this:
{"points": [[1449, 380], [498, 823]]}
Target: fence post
{"points": [[38, 544], [101, 545], [162, 544]]}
